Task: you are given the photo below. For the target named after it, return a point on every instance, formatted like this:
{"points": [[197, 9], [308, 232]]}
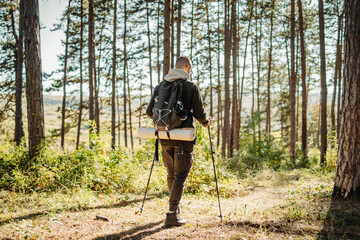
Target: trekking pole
{"points": [[156, 157], [213, 160]]}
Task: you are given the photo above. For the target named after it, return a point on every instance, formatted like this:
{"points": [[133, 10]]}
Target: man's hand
{"points": [[209, 122]]}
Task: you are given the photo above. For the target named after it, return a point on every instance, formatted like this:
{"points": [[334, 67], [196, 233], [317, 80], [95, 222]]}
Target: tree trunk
{"points": [[118, 113], [91, 45], [178, 34], [158, 42], [125, 77], [172, 35], [235, 116], [244, 67], [130, 113], [81, 75], [219, 107], [323, 86], [149, 45], [192, 29], [63, 110], [210, 59], [303, 83], [167, 12], [113, 81], [97, 79], [347, 180], [35, 107], [19, 129], [339, 92], [292, 86], [268, 107], [337, 63], [226, 128], [252, 82], [258, 61]]}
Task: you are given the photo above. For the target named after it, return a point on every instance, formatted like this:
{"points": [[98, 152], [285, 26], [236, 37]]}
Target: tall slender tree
{"points": [[336, 70], [323, 101], [81, 72], [19, 129], [63, 110], [226, 127], [91, 46], [167, 12], [34, 95], [292, 86], [209, 58], [303, 82], [113, 81], [124, 87], [178, 28], [235, 113], [149, 45], [268, 105]]}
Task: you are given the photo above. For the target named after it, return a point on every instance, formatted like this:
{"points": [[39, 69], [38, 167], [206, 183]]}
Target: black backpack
{"points": [[169, 111]]}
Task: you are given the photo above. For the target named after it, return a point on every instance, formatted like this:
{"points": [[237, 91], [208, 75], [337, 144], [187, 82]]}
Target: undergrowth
{"points": [[104, 170]]}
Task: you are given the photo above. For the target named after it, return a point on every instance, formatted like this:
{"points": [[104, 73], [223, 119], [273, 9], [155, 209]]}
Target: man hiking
{"points": [[178, 155]]}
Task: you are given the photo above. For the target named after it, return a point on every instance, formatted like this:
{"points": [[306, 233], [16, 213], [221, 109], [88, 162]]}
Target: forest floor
{"points": [[293, 204]]}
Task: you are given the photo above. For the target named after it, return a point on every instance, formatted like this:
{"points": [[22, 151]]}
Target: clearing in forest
{"points": [[293, 204]]}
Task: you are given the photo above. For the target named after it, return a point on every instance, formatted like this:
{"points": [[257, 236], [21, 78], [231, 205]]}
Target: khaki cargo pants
{"points": [[178, 167]]}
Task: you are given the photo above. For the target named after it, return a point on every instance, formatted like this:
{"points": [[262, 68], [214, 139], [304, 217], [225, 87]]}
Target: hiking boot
{"points": [[173, 220]]}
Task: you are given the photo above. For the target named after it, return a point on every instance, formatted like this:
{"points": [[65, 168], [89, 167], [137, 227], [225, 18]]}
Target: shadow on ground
{"points": [[342, 220], [73, 209], [135, 233]]}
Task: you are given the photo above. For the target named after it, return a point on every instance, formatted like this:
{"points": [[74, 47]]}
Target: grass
{"points": [[272, 204]]}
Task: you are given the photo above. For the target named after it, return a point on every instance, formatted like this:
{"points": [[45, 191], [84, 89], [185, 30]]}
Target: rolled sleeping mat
{"points": [[183, 134]]}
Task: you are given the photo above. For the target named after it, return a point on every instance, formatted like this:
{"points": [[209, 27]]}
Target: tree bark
{"points": [[192, 29], [130, 113], [178, 26], [292, 86], [347, 180], [268, 107], [35, 107], [149, 45], [323, 86], [337, 63], [235, 115], [91, 46], [97, 78], [158, 42], [167, 12], [339, 91], [172, 35], [219, 107], [125, 76], [113, 81], [244, 67], [19, 129], [226, 128], [81, 75], [210, 59], [303, 83], [63, 110]]}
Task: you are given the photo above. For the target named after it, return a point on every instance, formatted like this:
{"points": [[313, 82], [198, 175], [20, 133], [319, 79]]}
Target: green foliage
{"points": [[255, 154], [97, 168], [104, 170]]}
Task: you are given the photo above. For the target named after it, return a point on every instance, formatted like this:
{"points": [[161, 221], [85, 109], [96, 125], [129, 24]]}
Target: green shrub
{"points": [[102, 169]]}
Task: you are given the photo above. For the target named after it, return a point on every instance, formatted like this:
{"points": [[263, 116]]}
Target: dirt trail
{"points": [[252, 214]]}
